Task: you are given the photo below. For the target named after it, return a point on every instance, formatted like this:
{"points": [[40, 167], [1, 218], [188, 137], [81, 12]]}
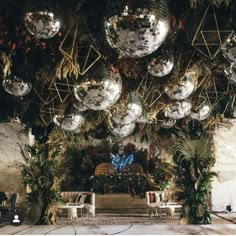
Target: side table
{"points": [[72, 210]]}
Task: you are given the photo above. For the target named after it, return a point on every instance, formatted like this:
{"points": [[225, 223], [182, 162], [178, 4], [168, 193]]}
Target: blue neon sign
{"points": [[120, 161]]}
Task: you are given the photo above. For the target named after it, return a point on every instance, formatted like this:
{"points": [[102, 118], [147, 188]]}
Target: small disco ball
{"points": [[161, 65], [229, 49], [42, 24], [168, 123], [143, 118], [122, 130], [202, 112], [230, 73], [70, 122], [177, 110], [130, 113], [101, 90], [137, 28], [185, 87], [16, 86]]}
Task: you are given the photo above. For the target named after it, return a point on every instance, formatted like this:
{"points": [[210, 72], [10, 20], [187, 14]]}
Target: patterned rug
{"points": [[117, 220], [127, 220]]}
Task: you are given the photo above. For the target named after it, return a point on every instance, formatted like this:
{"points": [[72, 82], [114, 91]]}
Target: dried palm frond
{"points": [[6, 64], [188, 148], [56, 137], [66, 69], [216, 122]]}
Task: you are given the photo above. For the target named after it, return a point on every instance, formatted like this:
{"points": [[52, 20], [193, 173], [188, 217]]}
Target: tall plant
{"points": [[161, 172], [194, 159], [43, 171]]}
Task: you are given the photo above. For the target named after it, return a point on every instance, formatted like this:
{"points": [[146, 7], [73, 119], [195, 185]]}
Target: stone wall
{"points": [[224, 186], [10, 156]]}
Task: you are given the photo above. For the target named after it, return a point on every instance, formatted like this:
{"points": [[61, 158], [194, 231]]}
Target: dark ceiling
{"points": [[29, 55]]}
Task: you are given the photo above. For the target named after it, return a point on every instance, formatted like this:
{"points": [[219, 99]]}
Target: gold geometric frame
{"points": [[62, 86], [202, 34], [148, 91], [72, 56]]}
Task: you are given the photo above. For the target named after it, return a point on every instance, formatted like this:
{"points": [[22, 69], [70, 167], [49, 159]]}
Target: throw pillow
{"points": [[152, 197], [82, 199], [88, 199], [77, 197]]}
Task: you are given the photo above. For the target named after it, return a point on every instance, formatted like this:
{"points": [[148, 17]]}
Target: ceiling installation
{"points": [[112, 67]]}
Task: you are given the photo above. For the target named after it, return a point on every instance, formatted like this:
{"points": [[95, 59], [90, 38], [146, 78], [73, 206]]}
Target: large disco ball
{"points": [[184, 88], [177, 110], [130, 113], [230, 73], [122, 130], [101, 90], [229, 49], [70, 122], [137, 28], [42, 24], [16, 86], [201, 112], [161, 65]]}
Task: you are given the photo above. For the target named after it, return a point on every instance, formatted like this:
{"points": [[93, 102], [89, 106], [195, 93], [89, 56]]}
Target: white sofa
{"points": [[76, 197]]}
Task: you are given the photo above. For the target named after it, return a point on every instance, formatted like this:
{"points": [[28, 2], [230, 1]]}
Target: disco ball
{"points": [[137, 28], [168, 123], [17, 86], [143, 118], [130, 113], [42, 24], [101, 90], [178, 110], [185, 87], [122, 130], [70, 122], [201, 112], [229, 49], [161, 65], [230, 72]]}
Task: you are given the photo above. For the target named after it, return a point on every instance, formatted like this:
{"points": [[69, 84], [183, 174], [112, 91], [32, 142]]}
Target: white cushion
{"points": [[82, 198]]}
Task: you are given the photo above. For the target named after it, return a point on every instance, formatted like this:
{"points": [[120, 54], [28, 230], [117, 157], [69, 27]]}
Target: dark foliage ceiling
{"points": [[36, 60]]}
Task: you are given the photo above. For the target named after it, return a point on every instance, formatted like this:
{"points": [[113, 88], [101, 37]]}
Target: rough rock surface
{"points": [[224, 191], [10, 156]]}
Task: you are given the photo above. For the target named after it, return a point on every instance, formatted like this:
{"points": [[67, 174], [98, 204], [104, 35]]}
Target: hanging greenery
{"points": [[194, 160], [43, 172], [162, 172]]}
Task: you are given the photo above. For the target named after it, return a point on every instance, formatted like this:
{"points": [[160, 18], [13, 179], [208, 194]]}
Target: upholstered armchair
{"points": [[153, 202]]}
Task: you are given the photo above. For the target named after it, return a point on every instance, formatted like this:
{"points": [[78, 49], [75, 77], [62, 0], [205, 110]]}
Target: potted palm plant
{"points": [[194, 160], [43, 173]]}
